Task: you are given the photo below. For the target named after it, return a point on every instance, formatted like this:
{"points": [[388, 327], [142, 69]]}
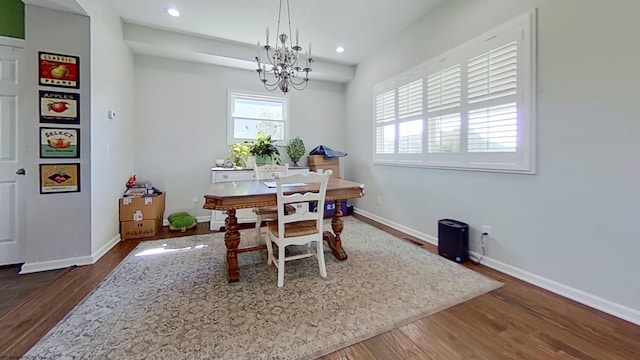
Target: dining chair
{"points": [[298, 228], [268, 213]]}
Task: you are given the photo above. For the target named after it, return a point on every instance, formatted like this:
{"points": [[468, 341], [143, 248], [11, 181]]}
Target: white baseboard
{"points": [[199, 219], [55, 264], [105, 248], [577, 295], [606, 306], [420, 235], [76, 261]]}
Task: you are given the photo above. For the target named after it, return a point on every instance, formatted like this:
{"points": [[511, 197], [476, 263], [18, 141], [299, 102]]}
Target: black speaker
{"points": [[453, 240]]}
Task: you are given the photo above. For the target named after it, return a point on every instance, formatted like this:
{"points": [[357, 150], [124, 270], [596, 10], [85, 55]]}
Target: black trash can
{"points": [[453, 240]]}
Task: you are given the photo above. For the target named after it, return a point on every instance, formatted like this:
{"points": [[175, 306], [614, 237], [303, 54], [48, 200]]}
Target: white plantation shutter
{"points": [[410, 137], [444, 134], [444, 97], [410, 108], [443, 89], [385, 113], [470, 108], [410, 99], [385, 107], [386, 139], [399, 120], [493, 129], [493, 74]]}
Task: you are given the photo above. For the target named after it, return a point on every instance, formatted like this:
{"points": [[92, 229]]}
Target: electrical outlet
{"points": [[379, 200], [484, 239], [195, 200]]}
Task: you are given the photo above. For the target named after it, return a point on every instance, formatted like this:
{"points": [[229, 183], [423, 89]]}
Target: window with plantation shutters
{"points": [[470, 108], [399, 120]]}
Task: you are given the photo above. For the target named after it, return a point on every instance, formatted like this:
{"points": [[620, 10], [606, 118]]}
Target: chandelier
{"points": [[284, 60]]}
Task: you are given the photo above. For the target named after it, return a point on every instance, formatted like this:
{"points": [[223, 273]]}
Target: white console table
{"points": [[226, 175]]}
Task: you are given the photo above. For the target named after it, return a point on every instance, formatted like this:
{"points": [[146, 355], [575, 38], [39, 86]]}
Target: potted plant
{"points": [[264, 150], [238, 155], [295, 150]]}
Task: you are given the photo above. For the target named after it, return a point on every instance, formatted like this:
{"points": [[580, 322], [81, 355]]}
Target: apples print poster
{"points": [[59, 107], [59, 70]]}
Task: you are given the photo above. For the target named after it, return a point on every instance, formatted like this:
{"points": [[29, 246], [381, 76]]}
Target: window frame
{"points": [[521, 30], [233, 95]]}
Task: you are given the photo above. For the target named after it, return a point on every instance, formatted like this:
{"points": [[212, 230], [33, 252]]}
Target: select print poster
{"points": [[59, 107], [59, 178], [59, 70], [59, 143]]}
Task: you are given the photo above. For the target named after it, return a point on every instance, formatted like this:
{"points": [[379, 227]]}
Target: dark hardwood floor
{"points": [[15, 288], [517, 321]]}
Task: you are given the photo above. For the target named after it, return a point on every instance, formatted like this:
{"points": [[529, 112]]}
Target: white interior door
{"points": [[12, 208]]}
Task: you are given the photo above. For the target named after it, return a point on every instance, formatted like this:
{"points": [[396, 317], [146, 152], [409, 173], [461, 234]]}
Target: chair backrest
{"points": [[269, 171], [315, 190]]}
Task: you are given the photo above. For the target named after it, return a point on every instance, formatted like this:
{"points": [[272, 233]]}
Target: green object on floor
{"points": [[181, 221]]}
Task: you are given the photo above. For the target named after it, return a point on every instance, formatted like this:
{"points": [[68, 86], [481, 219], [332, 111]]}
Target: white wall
{"points": [[58, 225], [78, 228], [572, 226], [181, 119], [112, 89]]}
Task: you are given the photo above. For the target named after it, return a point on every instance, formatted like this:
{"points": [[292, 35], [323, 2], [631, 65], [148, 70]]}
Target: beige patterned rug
{"points": [[169, 299]]}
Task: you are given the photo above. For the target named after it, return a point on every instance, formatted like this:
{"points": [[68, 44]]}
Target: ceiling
{"points": [[232, 28], [361, 26]]}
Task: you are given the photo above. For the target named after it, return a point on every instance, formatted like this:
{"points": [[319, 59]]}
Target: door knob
{"points": [[21, 172]]}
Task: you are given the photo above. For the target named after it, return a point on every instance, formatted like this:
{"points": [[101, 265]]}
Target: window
{"points": [[470, 108], [249, 114]]}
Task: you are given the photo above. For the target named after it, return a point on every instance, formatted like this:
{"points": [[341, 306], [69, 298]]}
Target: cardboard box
{"points": [[139, 229], [320, 160], [142, 208], [334, 168]]}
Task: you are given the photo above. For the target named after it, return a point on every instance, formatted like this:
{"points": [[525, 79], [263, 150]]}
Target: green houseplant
{"points": [[295, 150], [264, 150], [238, 154]]}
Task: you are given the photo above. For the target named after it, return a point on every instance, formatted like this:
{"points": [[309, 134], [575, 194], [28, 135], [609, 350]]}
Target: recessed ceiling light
{"points": [[340, 49], [173, 11]]}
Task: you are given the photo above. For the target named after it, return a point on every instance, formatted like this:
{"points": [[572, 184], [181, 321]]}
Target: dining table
{"points": [[234, 195]]}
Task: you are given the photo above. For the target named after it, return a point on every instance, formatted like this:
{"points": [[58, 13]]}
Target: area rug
{"points": [[169, 299]]}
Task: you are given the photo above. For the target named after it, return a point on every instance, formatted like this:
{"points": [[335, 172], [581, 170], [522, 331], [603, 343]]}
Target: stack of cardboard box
{"points": [[141, 216], [316, 162]]}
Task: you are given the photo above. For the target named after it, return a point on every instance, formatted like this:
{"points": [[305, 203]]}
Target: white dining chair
{"points": [[268, 213], [298, 228]]}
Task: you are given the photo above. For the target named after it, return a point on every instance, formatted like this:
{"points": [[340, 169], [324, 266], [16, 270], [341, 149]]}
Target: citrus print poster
{"points": [[59, 178], [59, 107], [59, 70], [59, 143]]}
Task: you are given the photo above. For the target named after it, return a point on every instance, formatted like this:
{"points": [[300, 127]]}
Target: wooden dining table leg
{"points": [[333, 239], [231, 241]]}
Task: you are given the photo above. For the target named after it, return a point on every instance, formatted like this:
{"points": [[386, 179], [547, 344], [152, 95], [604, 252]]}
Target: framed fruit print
{"points": [[59, 143], [59, 107], [58, 70], [59, 178]]}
